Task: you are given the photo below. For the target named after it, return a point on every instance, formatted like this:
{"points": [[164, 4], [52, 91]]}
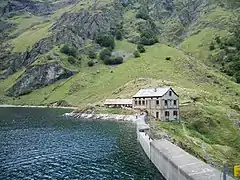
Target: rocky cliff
{"points": [[38, 76]]}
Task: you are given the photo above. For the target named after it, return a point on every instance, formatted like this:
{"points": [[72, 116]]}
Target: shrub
{"points": [[168, 58], [222, 46], [211, 47], [142, 14], [92, 55], [217, 39], [106, 41], [105, 54], [71, 60], [70, 51], [148, 41], [141, 48], [49, 57], [118, 35], [90, 63], [136, 54], [113, 61], [148, 37]]}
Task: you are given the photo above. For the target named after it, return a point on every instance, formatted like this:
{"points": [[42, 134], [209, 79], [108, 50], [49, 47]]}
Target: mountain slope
{"points": [[178, 34]]}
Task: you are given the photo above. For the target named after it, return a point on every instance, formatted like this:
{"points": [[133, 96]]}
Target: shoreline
{"points": [[32, 106], [93, 116]]}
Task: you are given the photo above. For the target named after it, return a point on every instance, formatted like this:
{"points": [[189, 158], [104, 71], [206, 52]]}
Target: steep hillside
{"points": [[77, 52]]}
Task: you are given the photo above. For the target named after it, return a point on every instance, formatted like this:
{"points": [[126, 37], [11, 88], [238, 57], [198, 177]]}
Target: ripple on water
{"points": [[46, 146]]}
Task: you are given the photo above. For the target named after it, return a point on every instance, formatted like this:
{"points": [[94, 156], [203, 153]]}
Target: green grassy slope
{"points": [[204, 120]]}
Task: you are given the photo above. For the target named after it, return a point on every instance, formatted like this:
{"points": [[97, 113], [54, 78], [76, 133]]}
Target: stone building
{"points": [[162, 103]]}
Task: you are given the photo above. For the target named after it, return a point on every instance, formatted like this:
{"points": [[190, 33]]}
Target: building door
{"points": [[157, 115]]}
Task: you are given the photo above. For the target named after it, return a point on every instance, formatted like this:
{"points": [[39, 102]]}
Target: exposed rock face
{"points": [[75, 28], [38, 76], [31, 6]]}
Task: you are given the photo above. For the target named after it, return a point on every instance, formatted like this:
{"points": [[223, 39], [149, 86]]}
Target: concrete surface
{"points": [[173, 162]]}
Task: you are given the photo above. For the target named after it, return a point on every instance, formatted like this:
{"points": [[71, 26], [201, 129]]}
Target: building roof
{"points": [[118, 101], [152, 92]]}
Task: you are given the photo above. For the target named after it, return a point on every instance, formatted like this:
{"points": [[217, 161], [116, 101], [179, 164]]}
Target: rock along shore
{"points": [[115, 117]]}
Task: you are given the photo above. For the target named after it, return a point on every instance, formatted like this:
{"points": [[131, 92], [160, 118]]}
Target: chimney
{"points": [[155, 89]]}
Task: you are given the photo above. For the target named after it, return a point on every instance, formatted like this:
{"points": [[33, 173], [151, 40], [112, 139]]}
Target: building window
{"points": [[175, 102], [135, 102], [166, 103], [175, 113], [167, 113], [146, 102], [140, 102], [143, 103], [157, 115], [157, 102], [170, 93]]}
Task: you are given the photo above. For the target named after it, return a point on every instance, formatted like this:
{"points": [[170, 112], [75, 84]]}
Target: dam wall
{"points": [[173, 162]]}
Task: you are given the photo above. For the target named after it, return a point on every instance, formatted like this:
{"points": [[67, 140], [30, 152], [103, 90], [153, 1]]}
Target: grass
{"points": [[198, 44], [125, 46], [30, 37], [25, 22]]}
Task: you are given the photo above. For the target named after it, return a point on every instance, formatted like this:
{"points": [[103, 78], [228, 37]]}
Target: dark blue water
{"points": [[40, 144]]}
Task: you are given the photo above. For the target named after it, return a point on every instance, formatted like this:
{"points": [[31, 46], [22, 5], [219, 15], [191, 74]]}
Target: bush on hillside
{"points": [[148, 33], [106, 41], [70, 51], [71, 60], [217, 39], [113, 61], [105, 54], [90, 63], [148, 41], [136, 54], [49, 57], [168, 58], [92, 55], [118, 35], [211, 47], [142, 14], [141, 48]]}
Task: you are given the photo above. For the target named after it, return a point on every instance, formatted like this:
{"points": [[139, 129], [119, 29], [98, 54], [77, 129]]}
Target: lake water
{"points": [[40, 144]]}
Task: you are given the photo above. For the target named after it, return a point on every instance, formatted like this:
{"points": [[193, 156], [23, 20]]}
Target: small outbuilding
{"points": [[118, 103]]}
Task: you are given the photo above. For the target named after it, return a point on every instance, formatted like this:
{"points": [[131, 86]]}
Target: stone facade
{"points": [[161, 103]]}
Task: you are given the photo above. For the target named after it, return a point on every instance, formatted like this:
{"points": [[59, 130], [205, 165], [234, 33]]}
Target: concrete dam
{"points": [[173, 162]]}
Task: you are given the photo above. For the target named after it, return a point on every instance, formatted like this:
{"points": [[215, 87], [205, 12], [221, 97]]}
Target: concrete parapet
{"points": [[173, 162]]}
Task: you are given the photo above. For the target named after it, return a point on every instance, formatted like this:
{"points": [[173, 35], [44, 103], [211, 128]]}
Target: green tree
{"points": [[141, 48], [70, 51], [118, 35], [105, 40], [211, 46], [105, 54], [71, 60], [136, 54], [113, 61], [143, 13], [92, 55], [90, 63]]}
